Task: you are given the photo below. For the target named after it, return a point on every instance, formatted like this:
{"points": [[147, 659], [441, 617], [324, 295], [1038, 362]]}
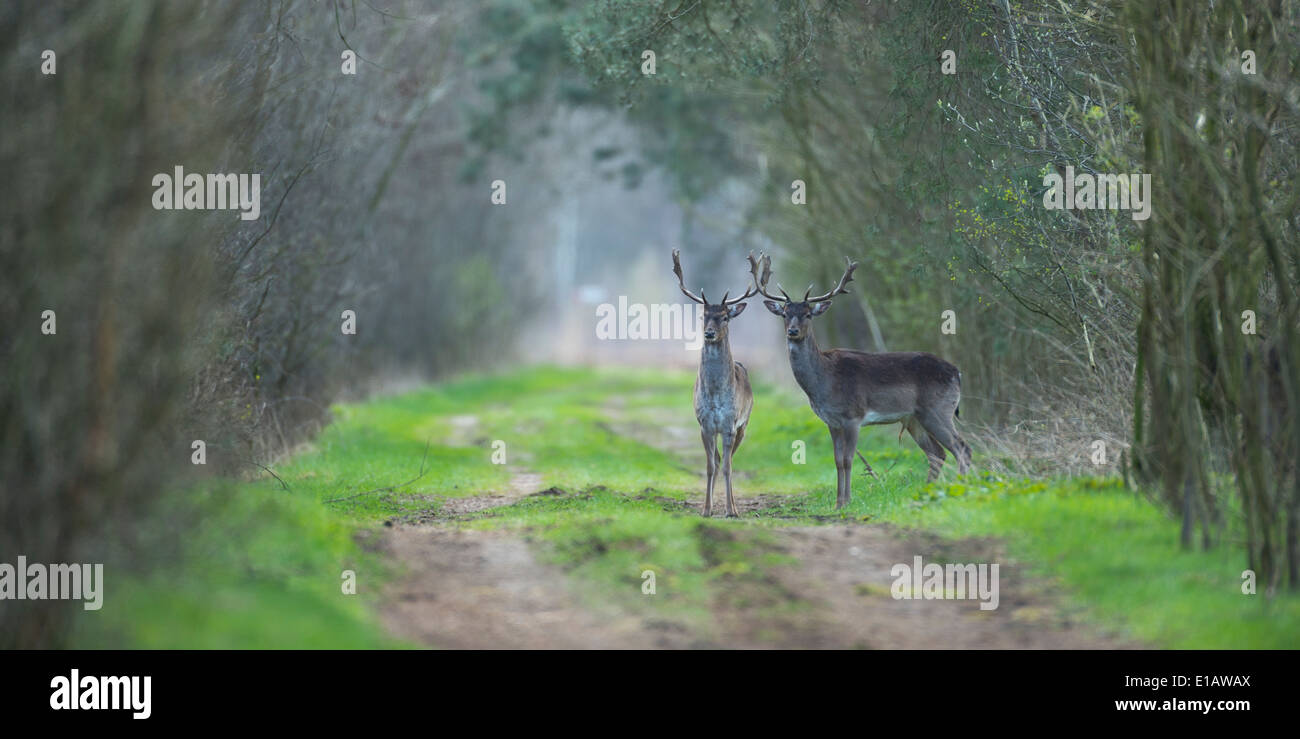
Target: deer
{"points": [[850, 389], [723, 397]]}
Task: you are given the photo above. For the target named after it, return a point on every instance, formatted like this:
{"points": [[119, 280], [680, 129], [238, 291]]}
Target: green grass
{"points": [[1118, 556], [255, 568], [260, 566]]}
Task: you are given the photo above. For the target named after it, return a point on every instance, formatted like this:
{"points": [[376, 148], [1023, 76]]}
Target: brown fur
{"points": [[849, 389]]}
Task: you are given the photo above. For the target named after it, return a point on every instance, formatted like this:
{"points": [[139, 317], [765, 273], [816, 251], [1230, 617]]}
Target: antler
{"points": [[839, 289], [761, 271], [677, 270], [749, 291]]}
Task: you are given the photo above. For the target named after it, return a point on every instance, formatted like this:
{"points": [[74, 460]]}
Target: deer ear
{"points": [[736, 310], [821, 308], [773, 306]]}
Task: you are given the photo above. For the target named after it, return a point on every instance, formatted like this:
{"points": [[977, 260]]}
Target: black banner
{"points": [[237, 689]]}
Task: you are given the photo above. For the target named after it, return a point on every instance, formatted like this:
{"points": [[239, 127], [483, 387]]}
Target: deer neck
{"points": [[717, 370], [809, 366]]}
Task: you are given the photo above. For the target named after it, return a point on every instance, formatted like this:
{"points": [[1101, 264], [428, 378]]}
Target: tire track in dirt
{"points": [[470, 589], [844, 572]]}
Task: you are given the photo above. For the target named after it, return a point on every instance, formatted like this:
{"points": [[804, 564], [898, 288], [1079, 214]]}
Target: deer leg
{"points": [[711, 460], [740, 436], [933, 452], [942, 430], [729, 443], [850, 437], [838, 445]]}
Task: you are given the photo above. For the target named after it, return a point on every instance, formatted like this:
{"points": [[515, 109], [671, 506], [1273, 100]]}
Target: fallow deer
{"points": [[849, 389], [723, 398]]}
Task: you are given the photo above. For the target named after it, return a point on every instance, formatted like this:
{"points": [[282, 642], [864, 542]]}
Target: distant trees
{"points": [[933, 180]]}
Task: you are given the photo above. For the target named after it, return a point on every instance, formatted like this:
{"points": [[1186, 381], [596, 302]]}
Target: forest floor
{"points": [[560, 508]]}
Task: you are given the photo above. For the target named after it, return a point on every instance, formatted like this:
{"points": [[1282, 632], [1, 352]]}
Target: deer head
{"points": [[716, 315], [798, 314]]}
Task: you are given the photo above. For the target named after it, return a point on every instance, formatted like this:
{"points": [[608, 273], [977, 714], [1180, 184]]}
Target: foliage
{"points": [[175, 325], [1213, 392]]}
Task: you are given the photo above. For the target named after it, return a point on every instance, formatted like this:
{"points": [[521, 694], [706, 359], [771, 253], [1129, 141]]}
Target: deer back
{"points": [[882, 386]]}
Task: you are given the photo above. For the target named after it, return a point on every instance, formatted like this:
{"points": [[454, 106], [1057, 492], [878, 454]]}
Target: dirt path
{"points": [[469, 589], [844, 573], [487, 589], [458, 507]]}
